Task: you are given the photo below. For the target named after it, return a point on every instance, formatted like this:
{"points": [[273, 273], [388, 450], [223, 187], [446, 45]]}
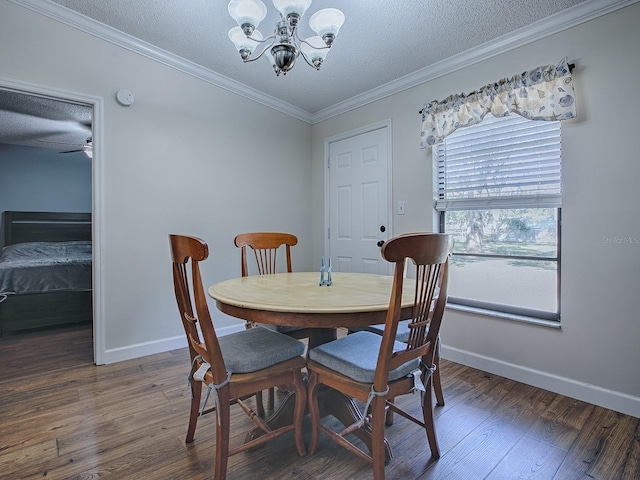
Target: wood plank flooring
{"points": [[63, 418], [37, 351]]}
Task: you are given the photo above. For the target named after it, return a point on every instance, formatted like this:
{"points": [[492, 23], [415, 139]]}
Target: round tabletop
{"points": [[297, 299]]}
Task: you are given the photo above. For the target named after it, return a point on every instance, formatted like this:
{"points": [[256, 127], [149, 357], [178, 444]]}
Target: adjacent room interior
{"points": [[46, 196]]}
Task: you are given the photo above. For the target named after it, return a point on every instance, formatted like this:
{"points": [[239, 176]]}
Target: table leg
{"points": [[319, 336]]}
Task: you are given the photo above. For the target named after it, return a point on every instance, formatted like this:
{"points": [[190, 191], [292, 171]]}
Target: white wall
{"points": [[39, 179], [595, 356], [187, 157]]}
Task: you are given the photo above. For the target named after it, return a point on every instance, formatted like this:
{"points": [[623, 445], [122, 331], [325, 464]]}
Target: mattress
{"points": [[38, 267]]}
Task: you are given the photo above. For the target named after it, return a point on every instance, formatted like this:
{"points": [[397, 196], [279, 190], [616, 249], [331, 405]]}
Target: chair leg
{"points": [[196, 392], [437, 383], [427, 412], [260, 405], [314, 410], [271, 398], [437, 388], [300, 390], [377, 437], [223, 426], [388, 419]]}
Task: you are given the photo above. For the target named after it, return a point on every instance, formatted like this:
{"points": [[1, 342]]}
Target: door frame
{"points": [[96, 192], [327, 187]]}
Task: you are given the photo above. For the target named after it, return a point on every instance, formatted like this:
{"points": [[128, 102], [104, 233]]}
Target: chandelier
{"points": [[284, 46]]}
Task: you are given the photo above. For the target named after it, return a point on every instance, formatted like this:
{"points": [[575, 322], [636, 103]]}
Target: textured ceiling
{"points": [[42, 122], [380, 42]]}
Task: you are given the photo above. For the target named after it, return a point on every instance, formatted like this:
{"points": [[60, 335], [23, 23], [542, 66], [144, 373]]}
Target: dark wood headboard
{"points": [[46, 227]]}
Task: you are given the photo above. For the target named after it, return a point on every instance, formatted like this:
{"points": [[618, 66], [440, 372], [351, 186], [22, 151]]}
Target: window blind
{"points": [[507, 162]]}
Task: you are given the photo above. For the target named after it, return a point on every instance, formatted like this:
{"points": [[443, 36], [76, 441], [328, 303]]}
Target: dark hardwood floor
{"points": [[38, 351], [63, 418]]}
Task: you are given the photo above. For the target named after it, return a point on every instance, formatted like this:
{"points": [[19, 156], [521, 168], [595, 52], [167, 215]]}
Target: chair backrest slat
{"points": [[265, 246], [430, 253], [266, 260]]}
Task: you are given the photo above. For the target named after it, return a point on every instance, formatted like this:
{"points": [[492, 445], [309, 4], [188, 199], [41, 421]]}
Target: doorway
{"points": [[358, 199], [59, 133]]}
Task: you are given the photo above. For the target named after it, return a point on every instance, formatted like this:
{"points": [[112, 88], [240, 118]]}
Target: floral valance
{"points": [[544, 93]]}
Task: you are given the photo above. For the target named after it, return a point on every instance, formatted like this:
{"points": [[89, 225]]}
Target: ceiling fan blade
{"points": [[58, 143]]}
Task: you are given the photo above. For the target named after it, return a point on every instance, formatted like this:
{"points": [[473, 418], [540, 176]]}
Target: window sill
{"points": [[506, 316]]}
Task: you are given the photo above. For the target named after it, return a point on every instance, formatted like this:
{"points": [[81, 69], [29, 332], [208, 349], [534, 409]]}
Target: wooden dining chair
{"points": [[232, 367], [376, 369], [265, 247], [402, 335]]}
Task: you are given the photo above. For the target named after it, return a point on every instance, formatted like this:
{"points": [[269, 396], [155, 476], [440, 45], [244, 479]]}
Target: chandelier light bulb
{"points": [[247, 13], [244, 44], [292, 8], [315, 50], [326, 23]]}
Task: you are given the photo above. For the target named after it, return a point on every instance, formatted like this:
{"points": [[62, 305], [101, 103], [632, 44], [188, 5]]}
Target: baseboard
{"points": [[158, 346], [620, 402]]}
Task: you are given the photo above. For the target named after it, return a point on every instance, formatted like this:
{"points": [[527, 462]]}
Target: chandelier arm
{"points": [[306, 59], [253, 59], [312, 46], [264, 40]]}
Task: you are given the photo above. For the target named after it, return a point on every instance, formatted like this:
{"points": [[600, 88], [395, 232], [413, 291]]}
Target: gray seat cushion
{"points": [[257, 348], [402, 334], [356, 356]]}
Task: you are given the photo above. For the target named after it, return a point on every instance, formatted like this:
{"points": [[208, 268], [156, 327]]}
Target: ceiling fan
{"points": [[87, 148]]}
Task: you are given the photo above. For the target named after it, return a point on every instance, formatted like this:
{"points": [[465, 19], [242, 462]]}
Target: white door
{"points": [[359, 202]]}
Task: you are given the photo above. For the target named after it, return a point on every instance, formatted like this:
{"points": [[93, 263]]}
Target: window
{"points": [[498, 192]]}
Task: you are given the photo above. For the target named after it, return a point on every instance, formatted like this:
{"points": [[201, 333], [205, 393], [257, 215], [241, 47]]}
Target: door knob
{"points": [[380, 243]]}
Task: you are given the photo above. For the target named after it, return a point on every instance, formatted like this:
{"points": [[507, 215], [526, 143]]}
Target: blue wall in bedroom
{"points": [[39, 179]]}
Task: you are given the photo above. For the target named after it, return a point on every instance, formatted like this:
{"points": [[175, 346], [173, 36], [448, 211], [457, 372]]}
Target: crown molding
{"points": [[558, 22], [104, 32]]}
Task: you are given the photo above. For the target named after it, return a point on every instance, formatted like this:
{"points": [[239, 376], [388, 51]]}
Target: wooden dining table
{"points": [[297, 299]]}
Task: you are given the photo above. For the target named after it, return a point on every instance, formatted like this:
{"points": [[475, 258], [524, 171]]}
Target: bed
{"points": [[45, 270]]}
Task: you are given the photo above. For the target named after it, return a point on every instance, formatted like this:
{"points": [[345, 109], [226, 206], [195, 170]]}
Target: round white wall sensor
{"points": [[124, 97]]}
